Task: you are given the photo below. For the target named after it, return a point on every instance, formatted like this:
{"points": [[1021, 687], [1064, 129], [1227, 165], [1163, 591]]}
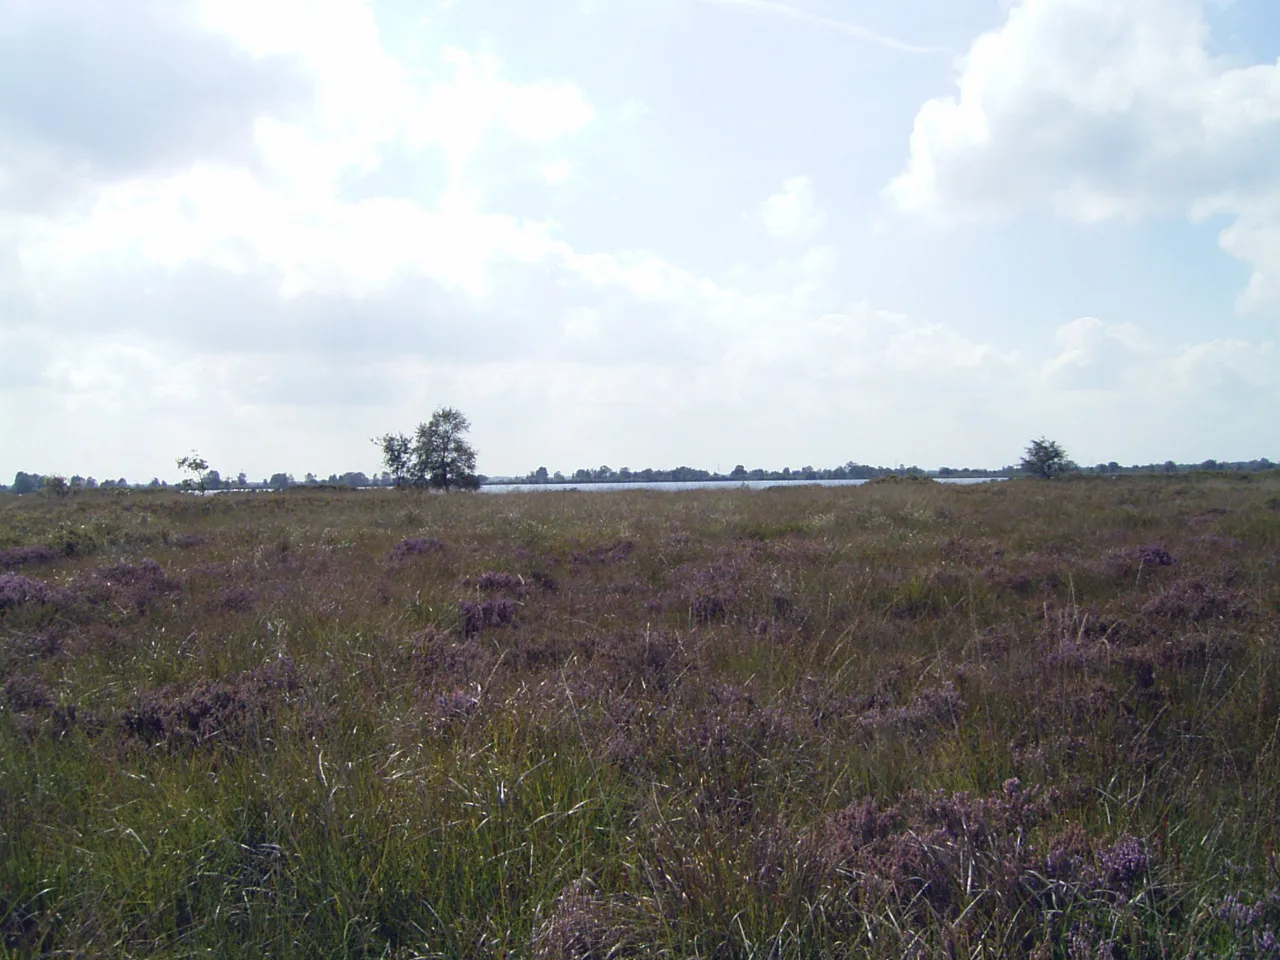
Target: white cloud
{"points": [[293, 221], [1122, 360], [354, 261], [1237, 364], [557, 171], [82, 102], [1093, 354], [1098, 110], [793, 212]]}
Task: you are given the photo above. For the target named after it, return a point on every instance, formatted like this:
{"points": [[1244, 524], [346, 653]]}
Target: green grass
{"points": [[718, 724]]}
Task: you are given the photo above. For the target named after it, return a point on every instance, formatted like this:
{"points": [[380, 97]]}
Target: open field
{"points": [[899, 720]]}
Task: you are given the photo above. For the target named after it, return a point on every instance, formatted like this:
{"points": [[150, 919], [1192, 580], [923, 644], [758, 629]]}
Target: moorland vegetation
{"points": [[897, 720]]}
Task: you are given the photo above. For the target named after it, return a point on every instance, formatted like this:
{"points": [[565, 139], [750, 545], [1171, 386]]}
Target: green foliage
{"points": [[198, 467], [443, 459], [439, 455], [397, 456], [1046, 459], [57, 486], [27, 482]]}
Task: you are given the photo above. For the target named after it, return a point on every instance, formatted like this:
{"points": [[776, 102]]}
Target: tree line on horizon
{"points": [[439, 456], [27, 483]]}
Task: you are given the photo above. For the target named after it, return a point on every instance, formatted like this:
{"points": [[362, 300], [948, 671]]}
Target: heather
{"points": [[901, 720]]}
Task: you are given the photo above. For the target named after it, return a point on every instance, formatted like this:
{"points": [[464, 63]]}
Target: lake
{"points": [[672, 485], [665, 485]]}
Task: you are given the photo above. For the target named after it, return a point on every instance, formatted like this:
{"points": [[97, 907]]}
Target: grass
{"points": [[904, 719]]}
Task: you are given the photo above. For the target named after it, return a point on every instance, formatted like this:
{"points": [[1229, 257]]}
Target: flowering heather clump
{"points": [[235, 714], [1125, 564], [1218, 544], [437, 656], [416, 547], [936, 706], [614, 553], [24, 694], [138, 586], [584, 924], [1193, 600], [40, 646], [1153, 555], [711, 592], [545, 581], [858, 826], [486, 615], [35, 708], [649, 659], [27, 556], [970, 553], [1070, 856], [454, 706], [622, 751], [1124, 862], [981, 819], [941, 852], [1083, 944], [501, 583], [732, 721], [1140, 668], [1026, 575], [17, 591], [1240, 913], [234, 599], [1251, 921], [146, 571]]}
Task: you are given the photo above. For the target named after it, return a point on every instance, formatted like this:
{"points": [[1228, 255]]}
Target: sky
{"points": [[637, 232]]}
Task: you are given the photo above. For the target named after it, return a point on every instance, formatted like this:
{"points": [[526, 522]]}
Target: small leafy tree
{"points": [[1046, 459], [198, 467], [438, 455], [397, 454], [57, 486], [442, 457]]}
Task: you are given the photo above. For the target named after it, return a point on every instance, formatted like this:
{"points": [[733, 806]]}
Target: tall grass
{"points": [[1025, 719]]}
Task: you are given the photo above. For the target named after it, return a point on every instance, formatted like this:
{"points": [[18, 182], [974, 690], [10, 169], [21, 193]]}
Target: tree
{"points": [[442, 457], [1046, 459], [56, 485], [437, 456], [397, 454], [197, 466], [26, 482]]}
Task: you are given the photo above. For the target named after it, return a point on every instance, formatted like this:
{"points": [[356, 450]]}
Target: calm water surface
{"points": [[703, 484], [668, 485]]}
